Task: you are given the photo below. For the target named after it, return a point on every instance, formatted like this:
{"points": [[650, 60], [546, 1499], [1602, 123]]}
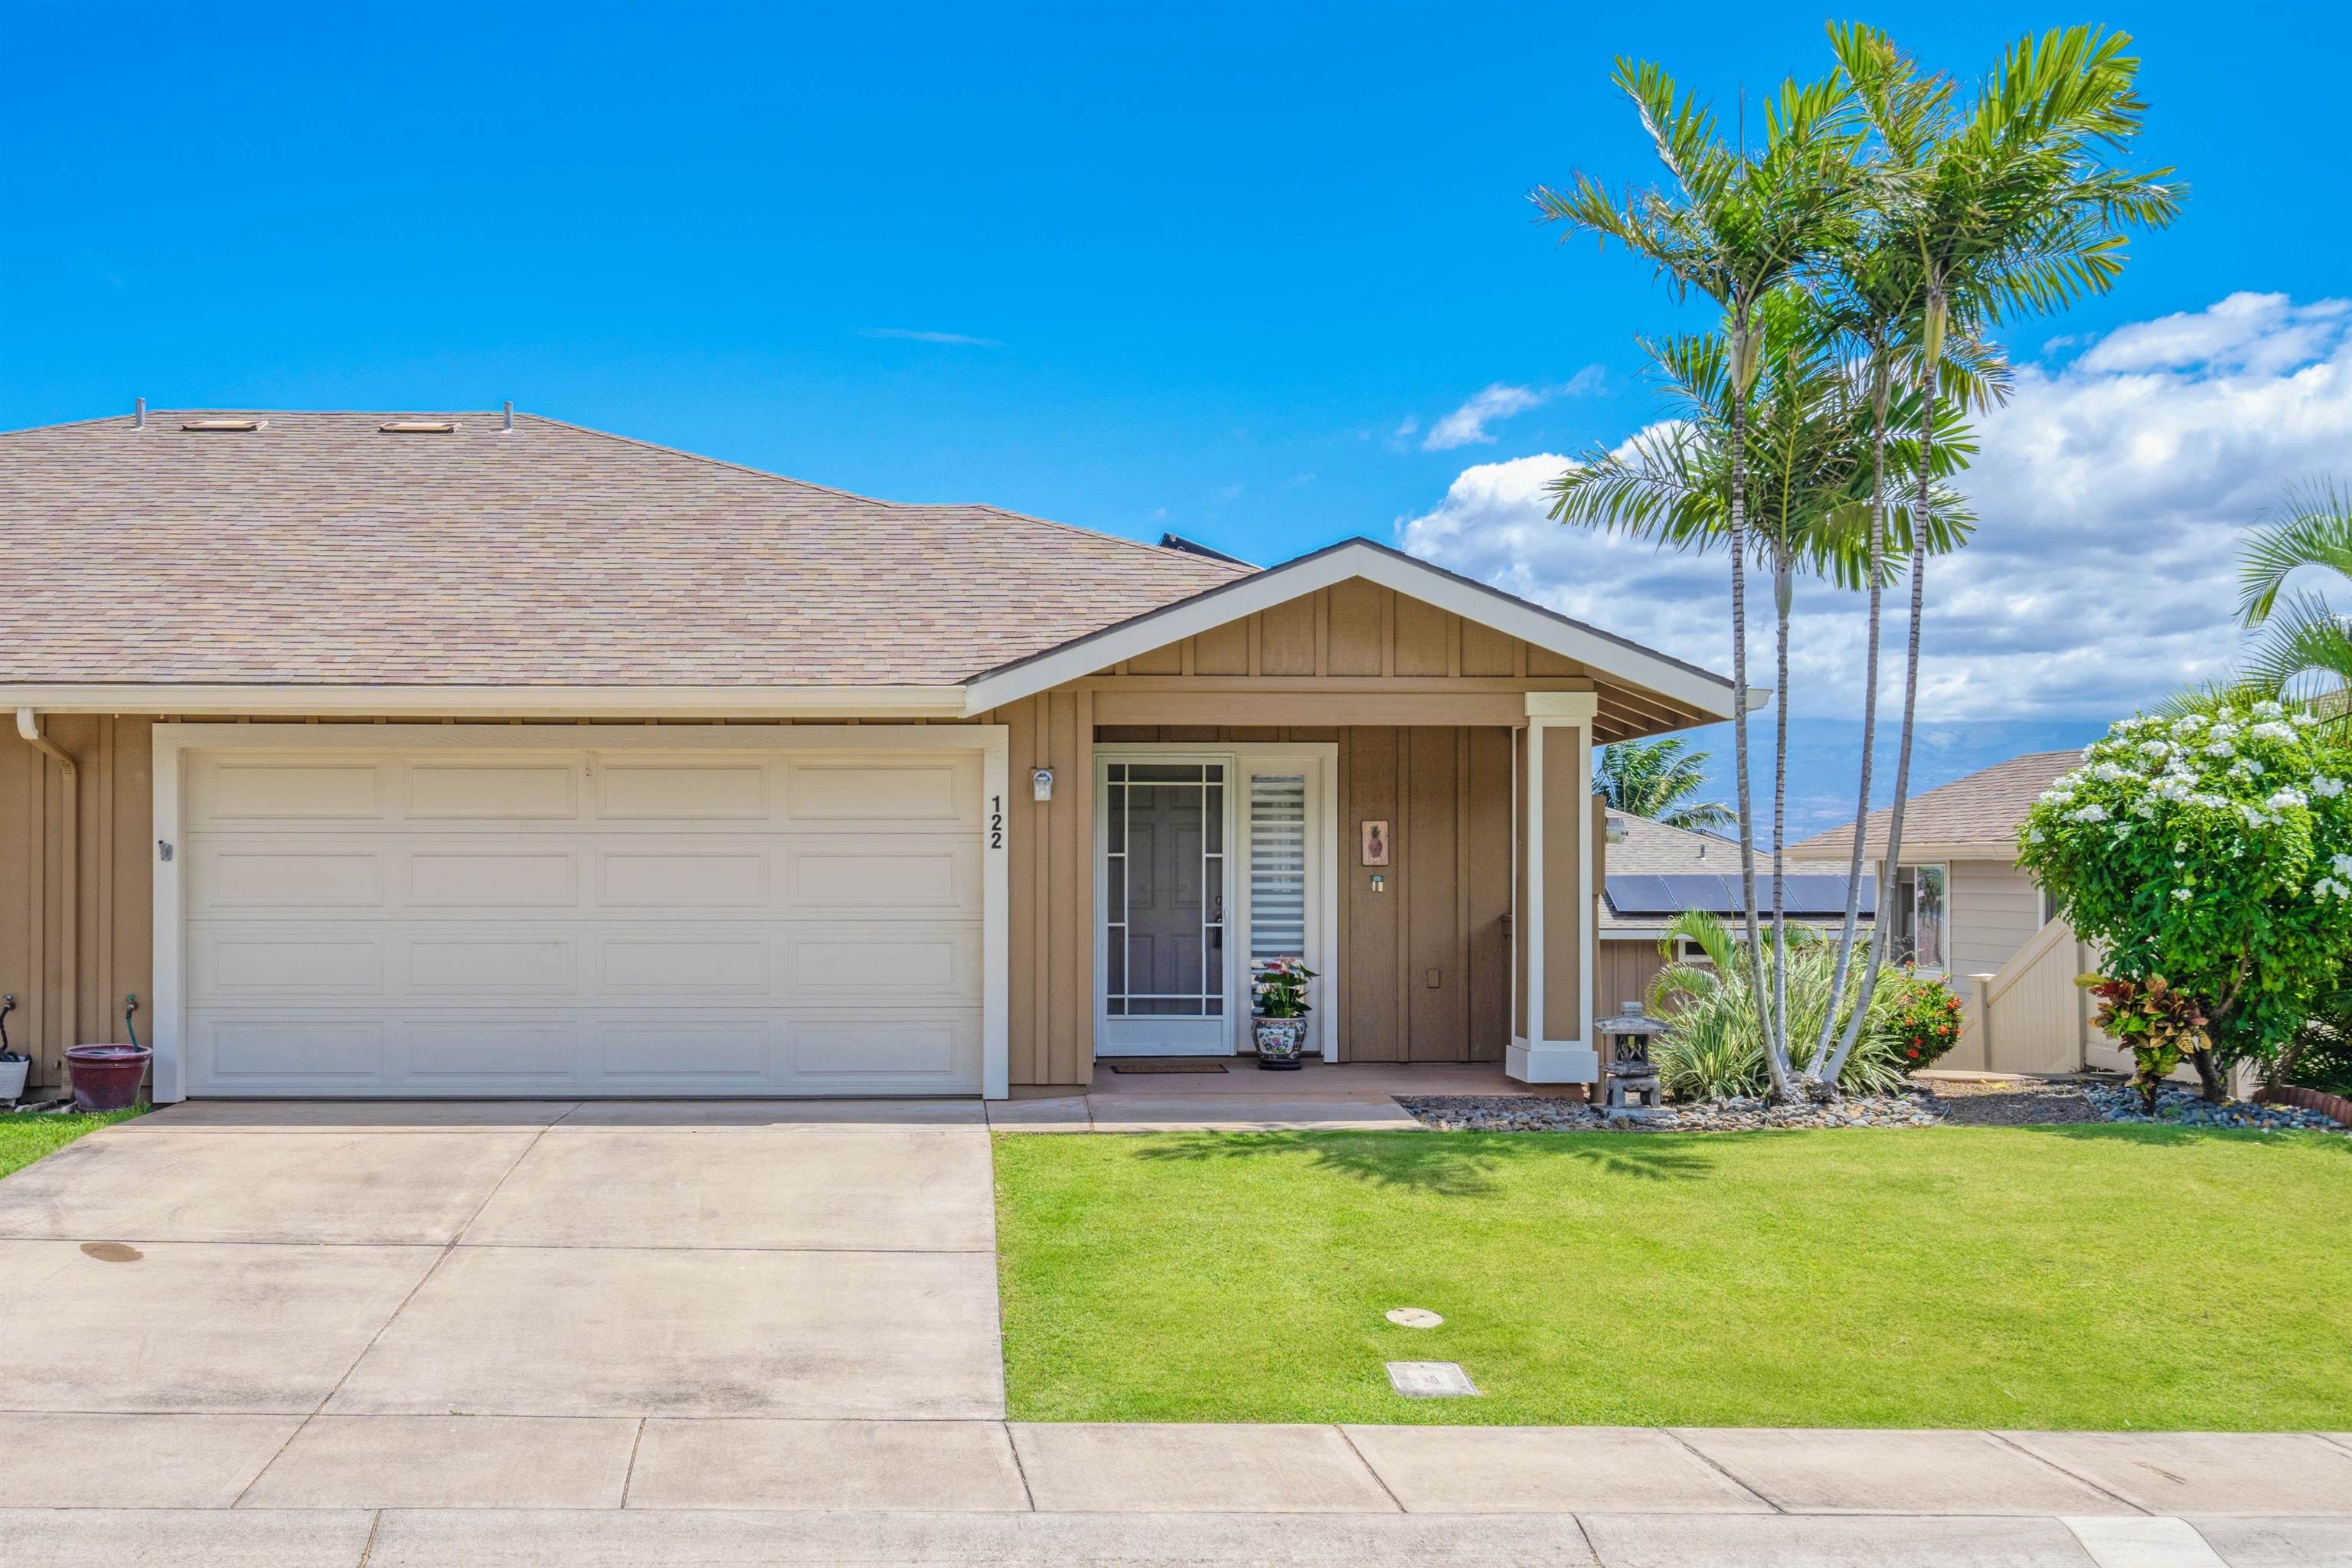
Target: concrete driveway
{"points": [[317, 1303]]}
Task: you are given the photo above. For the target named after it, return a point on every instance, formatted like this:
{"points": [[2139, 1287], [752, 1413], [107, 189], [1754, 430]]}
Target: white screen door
{"points": [[1206, 866], [1166, 977]]}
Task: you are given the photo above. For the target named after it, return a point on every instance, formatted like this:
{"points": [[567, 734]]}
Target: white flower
{"points": [[2327, 788], [2273, 730], [2033, 835], [2285, 798], [2302, 721], [2267, 709], [2342, 865], [2189, 724], [2329, 887], [2182, 894], [2094, 812], [2156, 748], [2221, 749]]}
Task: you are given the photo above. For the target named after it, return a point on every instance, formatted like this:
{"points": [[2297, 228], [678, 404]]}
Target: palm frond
{"points": [[2316, 530]]}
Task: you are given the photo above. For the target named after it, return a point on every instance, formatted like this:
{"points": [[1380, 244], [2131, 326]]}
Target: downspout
{"points": [[29, 725]]}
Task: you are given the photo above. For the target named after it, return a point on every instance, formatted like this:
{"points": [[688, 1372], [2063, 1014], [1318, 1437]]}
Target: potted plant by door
{"points": [[1278, 1021]]}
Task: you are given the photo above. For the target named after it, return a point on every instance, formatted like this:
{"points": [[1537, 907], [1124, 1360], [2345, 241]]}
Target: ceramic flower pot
{"points": [[14, 1070], [1279, 1041], [107, 1078]]}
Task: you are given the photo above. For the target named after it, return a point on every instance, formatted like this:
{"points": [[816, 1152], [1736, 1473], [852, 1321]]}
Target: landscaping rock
{"points": [[2177, 1107], [2017, 1104], [1546, 1113]]}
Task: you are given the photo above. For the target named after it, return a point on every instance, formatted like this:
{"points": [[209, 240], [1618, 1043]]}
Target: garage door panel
{"points": [[256, 877], [262, 964], [938, 792], [642, 876], [233, 1050], [286, 789], [634, 967], [484, 1054], [485, 876], [682, 790], [518, 791], [882, 876], [582, 922], [673, 1055], [924, 1052], [488, 962], [843, 964]]}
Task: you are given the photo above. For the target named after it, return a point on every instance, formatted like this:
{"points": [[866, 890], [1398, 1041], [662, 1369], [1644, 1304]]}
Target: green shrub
{"points": [[1713, 1048]]}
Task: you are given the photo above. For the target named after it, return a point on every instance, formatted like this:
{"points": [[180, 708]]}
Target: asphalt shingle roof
{"points": [[1983, 809], [319, 549]]}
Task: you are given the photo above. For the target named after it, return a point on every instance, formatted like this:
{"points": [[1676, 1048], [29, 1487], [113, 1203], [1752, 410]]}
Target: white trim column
{"points": [[1551, 1031]]}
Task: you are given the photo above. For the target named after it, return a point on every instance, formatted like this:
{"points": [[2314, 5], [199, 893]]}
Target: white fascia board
{"points": [[1491, 607], [325, 701]]}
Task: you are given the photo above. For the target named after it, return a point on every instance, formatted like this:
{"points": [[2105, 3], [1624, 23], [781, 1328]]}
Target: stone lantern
{"points": [[1627, 1082]]}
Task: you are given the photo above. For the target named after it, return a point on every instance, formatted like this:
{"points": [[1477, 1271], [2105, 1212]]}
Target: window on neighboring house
{"points": [[1918, 934]]}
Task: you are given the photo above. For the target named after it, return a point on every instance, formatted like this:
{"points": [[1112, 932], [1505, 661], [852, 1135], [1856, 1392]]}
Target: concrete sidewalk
{"points": [[524, 1490]]}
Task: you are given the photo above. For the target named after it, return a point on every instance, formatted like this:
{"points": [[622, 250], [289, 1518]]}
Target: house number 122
{"points": [[996, 822]]}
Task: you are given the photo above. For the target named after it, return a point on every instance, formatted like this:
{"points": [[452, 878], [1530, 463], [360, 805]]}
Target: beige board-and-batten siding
{"points": [[70, 951]]}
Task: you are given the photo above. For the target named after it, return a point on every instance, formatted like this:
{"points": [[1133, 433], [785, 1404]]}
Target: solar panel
{"points": [[1811, 895]]}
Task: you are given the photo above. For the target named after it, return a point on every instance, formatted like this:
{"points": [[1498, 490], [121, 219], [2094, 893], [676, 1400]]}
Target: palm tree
{"points": [[2306, 648], [2015, 208], [1807, 437], [1653, 779], [1732, 226]]}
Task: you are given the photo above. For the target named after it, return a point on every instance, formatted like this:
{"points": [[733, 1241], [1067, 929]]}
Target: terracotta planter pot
{"points": [[107, 1078]]}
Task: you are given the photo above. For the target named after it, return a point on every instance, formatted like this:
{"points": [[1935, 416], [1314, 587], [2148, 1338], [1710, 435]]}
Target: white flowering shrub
{"points": [[2215, 849]]}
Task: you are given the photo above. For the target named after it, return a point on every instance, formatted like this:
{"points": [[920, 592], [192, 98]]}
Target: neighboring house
{"points": [[460, 756], [1960, 905], [1653, 872], [1963, 909]]}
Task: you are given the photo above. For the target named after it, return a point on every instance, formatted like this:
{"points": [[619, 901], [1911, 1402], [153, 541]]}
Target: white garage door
{"points": [[463, 921]]}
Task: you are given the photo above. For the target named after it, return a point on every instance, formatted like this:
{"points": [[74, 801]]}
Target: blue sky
{"points": [[1212, 260]]}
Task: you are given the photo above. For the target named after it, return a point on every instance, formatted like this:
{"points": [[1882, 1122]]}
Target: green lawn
{"points": [[24, 1138], [2082, 1277]]}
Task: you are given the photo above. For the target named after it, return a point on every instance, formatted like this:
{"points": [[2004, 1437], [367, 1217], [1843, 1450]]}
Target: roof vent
{"points": [[223, 424], [418, 427]]}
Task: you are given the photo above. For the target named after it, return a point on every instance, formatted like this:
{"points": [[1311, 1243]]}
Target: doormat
{"points": [[1167, 1066]]}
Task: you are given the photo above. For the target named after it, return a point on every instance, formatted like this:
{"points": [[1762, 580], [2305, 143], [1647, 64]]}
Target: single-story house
{"points": [[1654, 872], [1963, 909], [467, 754], [1960, 904]]}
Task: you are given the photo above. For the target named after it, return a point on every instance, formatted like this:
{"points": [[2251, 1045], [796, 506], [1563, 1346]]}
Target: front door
{"points": [[1167, 973], [1206, 863]]}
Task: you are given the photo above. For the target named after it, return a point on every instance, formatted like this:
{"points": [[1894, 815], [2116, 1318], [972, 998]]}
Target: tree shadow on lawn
{"points": [[2164, 1136], [1451, 1164]]}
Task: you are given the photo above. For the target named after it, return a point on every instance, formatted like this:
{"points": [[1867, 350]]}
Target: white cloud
{"points": [[1468, 422], [2112, 492], [2261, 333], [1466, 426], [909, 334]]}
